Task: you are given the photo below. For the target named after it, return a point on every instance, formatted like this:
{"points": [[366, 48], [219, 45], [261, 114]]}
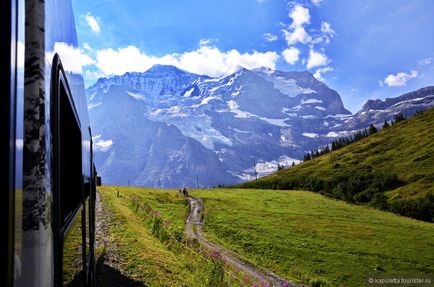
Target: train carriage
{"points": [[48, 175]]}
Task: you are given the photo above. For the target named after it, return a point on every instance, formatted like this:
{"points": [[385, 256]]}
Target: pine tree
{"points": [[372, 129], [399, 118], [385, 125]]}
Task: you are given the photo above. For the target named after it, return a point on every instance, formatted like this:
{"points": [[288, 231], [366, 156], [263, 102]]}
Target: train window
{"points": [[67, 171], [70, 173], [68, 184]]}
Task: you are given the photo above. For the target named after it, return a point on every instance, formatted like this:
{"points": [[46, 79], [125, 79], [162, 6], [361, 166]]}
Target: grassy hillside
{"points": [[397, 162], [313, 239]]}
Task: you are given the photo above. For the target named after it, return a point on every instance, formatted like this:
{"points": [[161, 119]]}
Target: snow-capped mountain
{"points": [[377, 111], [170, 128]]}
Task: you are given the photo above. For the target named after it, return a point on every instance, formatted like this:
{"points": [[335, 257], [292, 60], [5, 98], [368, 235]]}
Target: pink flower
{"points": [[216, 254]]}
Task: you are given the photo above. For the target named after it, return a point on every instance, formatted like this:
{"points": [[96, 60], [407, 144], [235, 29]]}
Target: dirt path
{"points": [[193, 227]]}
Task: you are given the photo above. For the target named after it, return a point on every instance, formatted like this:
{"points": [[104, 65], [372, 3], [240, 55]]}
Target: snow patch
{"points": [[320, 108], [136, 96], [232, 105], [286, 86], [311, 101], [188, 93], [271, 166], [339, 116], [275, 122], [204, 101], [310, 135], [234, 94], [172, 112], [332, 135], [287, 111]]}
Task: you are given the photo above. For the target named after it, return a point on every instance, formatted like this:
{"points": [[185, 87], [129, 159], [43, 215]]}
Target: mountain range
{"points": [[170, 128]]}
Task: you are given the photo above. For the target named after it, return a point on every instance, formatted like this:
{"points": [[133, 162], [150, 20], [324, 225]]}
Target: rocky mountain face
{"points": [[377, 111], [170, 128]]}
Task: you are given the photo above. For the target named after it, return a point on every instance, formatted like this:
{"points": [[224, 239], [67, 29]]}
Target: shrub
{"points": [[156, 224], [379, 200], [422, 208]]}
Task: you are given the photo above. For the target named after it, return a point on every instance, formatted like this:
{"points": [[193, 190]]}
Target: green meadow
{"points": [[302, 236]]}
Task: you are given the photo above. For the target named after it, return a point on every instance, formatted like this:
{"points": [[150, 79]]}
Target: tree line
{"points": [[358, 187], [344, 141]]}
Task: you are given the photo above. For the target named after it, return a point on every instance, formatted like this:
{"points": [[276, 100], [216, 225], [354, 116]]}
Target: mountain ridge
{"points": [[244, 124]]}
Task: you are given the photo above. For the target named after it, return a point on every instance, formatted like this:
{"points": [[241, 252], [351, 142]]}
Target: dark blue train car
{"points": [[47, 171]]}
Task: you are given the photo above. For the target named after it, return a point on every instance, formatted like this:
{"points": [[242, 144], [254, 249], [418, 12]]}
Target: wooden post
{"points": [[117, 195]]}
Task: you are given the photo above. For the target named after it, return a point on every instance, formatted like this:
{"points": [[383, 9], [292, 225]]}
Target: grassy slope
{"points": [[302, 235], [406, 149], [145, 258]]}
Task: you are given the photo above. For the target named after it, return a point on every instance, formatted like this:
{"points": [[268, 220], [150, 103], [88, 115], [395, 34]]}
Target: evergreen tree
{"points": [[399, 118], [385, 125], [372, 129], [293, 163]]}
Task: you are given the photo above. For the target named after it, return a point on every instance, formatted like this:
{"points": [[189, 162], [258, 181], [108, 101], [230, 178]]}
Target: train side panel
{"points": [[56, 207]]}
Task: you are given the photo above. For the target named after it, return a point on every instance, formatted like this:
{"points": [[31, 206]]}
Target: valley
{"points": [[333, 220]]}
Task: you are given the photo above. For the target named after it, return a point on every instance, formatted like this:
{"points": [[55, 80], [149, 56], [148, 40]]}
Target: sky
{"points": [[362, 49]]}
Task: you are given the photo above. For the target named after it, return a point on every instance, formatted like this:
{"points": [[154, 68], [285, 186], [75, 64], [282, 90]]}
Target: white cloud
{"points": [[291, 55], [320, 71], [299, 16], [316, 2], [270, 37], [204, 42], [93, 24], [326, 28], [122, 60], [213, 62], [297, 35], [205, 60], [316, 59], [73, 58], [426, 61], [400, 79], [92, 76], [86, 46]]}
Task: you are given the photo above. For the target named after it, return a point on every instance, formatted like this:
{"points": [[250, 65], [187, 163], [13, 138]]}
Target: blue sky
{"points": [[363, 49]]}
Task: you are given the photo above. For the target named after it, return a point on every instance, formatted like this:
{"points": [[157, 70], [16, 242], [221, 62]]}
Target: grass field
{"points": [[300, 235], [310, 238], [144, 257], [405, 149]]}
